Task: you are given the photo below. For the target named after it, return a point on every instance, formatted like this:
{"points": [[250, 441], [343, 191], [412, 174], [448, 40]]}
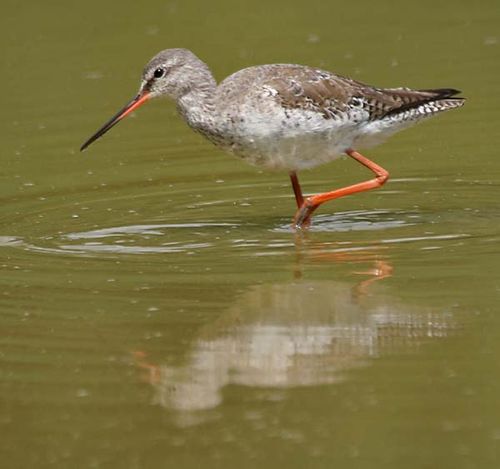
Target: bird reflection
{"points": [[294, 334]]}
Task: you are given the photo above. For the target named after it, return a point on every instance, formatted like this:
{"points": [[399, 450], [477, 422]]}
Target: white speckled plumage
{"points": [[285, 116]]}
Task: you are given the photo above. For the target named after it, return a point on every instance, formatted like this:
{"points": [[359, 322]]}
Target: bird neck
{"points": [[197, 104]]}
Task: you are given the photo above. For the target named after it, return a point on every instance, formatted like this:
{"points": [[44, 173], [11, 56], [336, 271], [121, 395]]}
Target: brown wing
{"points": [[331, 95], [406, 99], [305, 88]]}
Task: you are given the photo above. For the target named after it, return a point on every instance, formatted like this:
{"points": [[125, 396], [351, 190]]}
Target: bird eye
{"points": [[159, 72]]}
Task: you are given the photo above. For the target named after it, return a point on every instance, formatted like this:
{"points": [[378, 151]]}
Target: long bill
{"points": [[140, 99]]}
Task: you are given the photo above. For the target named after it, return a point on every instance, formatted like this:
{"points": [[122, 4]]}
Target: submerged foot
{"points": [[302, 218]]}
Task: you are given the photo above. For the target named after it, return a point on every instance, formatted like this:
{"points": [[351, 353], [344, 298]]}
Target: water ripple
{"points": [[144, 230], [358, 220], [254, 240]]}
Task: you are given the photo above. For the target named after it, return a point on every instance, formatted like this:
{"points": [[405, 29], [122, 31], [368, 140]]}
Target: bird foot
{"points": [[302, 219]]}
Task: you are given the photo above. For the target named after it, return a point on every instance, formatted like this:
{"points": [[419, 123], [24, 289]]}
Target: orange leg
{"points": [[296, 189], [303, 216]]}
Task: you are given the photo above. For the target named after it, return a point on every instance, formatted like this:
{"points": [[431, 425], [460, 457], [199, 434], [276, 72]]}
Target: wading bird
{"points": [[284, 116]]}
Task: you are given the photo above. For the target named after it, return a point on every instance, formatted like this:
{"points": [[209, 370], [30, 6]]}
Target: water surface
{"points": [[156, 308]]}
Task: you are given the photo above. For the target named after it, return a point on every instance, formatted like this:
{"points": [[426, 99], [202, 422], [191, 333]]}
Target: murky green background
{"points": [[155, 308]]}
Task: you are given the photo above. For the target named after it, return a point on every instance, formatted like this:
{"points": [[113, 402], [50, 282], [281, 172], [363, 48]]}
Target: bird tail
{"points": [[427, 102]]}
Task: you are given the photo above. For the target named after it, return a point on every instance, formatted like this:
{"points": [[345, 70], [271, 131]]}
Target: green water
{"points": [[156, 310]]}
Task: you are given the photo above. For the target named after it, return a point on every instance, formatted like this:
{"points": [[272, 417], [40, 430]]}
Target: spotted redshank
{"points": [[284, 116]]}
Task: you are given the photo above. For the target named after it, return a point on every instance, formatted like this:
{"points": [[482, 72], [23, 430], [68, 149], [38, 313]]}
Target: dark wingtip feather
{"points": [[442, 93], [428, 96]]}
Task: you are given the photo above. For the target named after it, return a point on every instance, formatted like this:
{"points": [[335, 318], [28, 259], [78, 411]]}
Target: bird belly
{"points": [[289, 139], [376, 132]]}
